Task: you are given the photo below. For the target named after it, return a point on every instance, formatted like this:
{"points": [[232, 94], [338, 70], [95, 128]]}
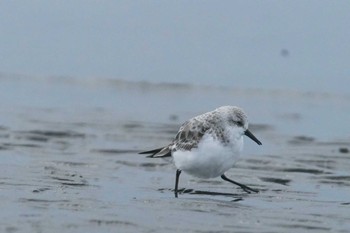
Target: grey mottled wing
{"points": [[188, 137], [190, 134]]}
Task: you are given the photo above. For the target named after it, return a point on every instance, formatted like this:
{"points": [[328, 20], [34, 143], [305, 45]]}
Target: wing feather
{"points": [[158, 153], [190, 134], [187, 138]]}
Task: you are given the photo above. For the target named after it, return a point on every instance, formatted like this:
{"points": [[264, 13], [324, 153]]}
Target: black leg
{"points": [[244, 187], [178, 172]]}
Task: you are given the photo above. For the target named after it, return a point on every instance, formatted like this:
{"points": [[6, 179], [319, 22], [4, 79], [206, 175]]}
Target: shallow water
{"points": [[69, 162]]}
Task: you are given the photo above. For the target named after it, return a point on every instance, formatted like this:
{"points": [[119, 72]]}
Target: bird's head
{"points": [[235, 117]]}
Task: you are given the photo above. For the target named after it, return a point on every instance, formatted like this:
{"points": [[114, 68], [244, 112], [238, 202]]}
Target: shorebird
{"points": [[208, 145]]}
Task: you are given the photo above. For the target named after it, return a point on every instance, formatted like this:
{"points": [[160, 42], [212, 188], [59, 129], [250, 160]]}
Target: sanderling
{"points": [[208, 145]]}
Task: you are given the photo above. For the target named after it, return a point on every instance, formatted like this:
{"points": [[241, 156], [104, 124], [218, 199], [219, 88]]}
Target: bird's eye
{"points": [[239, 123]]}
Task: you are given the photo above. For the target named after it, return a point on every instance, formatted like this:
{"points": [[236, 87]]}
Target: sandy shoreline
{"points": [[69, 163]]}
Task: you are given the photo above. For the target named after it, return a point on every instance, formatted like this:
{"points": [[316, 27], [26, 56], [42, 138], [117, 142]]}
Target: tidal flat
{"points": [[69, 159]]}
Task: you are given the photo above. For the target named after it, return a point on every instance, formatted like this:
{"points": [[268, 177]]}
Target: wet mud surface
{"points": [[69, 162]]}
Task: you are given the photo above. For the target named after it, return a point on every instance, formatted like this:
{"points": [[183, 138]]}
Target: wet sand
{"points": [[69, 162]]}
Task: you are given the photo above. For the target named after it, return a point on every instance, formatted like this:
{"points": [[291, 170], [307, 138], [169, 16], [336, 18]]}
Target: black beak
{"points": [[251, 136]]}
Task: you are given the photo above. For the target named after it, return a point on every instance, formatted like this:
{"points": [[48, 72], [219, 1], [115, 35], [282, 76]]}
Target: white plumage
{"points": [[211, 158]]}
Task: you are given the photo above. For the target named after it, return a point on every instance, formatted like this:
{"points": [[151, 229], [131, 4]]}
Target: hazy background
{"points": [[297, 45], [85, 85]]}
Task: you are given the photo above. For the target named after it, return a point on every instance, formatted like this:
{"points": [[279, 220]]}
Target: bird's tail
{"points": [[158, 153]]}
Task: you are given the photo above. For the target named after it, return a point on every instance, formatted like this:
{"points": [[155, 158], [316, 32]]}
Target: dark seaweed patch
{"points": [[39, 190], [276, 180], [303, 170], [338, 178], [41, 200], [21, 145], [56, 134], [301, 140], [305, 227], [343, 150], [2, 147], [37, 138], [70, 182]]}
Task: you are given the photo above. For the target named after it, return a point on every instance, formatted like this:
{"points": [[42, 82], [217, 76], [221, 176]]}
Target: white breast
{"points": [[211, 158]]}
